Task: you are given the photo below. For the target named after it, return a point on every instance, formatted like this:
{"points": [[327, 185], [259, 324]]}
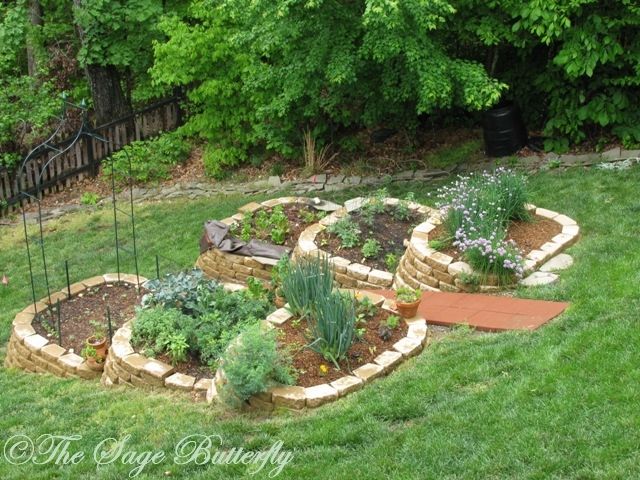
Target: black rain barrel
{"points": [[504, 130]]}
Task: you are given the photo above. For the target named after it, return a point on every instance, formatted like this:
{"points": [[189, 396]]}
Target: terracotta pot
{"points": [[100, 346], [280, 301], [95, 366], [407, 310]]}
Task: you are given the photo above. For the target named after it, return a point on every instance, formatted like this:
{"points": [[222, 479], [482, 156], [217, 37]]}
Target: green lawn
{"points": [[561, 402]]}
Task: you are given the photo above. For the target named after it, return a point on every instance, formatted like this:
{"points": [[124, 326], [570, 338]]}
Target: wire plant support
{"points": [[36, 245]]}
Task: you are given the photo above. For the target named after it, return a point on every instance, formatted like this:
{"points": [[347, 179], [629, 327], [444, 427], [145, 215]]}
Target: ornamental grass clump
{"points": [[477, 210], [305, 282], [334, 326]]}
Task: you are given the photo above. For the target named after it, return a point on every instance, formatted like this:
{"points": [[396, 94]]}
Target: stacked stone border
{"points": [[427, 269], [297, 398], [228, 267], [350, 274], [34, 353]]}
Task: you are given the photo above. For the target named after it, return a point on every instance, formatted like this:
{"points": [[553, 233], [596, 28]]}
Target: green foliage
{"points": [[393, 321], [305, 282], [333, 326], [160, 330], [150, 160], [355, 63], [365, 309], [347, 231], [89, 198], [391, 261], [181, 291], [371, 248], [402, 211], [253, 365], [408, 295], [263, 225]]}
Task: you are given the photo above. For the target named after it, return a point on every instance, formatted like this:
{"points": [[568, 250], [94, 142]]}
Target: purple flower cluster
{"points": [[472, 207]]}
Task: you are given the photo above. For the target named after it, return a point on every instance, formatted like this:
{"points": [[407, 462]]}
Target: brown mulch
{"points": [[307, 363], [528, 236], [91, 305], [390, 232], [192, 366], [297, 223]]}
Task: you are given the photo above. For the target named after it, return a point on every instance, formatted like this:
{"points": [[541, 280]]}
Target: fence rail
{"points": [[84, 158]]}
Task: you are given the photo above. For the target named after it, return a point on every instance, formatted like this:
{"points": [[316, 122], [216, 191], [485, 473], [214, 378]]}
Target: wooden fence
{"points": [[84, 158]]}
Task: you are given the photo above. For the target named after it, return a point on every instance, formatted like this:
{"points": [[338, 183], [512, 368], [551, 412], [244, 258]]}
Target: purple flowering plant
{"points": [[476, 211]]}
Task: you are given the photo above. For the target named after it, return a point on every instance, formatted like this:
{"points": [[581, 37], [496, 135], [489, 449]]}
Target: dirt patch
{"points": [[307, 362], [192, 366], [389, 231], [77, 313], [528, 236]]}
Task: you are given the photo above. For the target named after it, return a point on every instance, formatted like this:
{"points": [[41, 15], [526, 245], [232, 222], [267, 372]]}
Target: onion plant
{"points": [[306, 281]]}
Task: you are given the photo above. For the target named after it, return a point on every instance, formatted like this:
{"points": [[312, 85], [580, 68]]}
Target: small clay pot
{"points": [[94, 365], [100, 346], [407, 310], [280, 301]]}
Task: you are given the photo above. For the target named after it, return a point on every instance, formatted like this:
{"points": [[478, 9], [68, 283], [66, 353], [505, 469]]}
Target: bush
{"points": [[305, 282], [160, 330], [254, 364], [347, 231], [333, 326], [151, 160]]}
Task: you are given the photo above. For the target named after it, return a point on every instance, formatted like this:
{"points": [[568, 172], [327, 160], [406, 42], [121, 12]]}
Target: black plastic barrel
{"points": [[504, 130]]}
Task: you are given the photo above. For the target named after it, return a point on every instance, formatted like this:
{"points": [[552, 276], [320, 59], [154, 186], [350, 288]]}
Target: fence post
{"points": [[91, 157]]}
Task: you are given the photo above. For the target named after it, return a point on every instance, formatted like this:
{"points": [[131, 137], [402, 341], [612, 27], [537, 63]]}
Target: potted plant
{"points": [[98, 340], [408, 301], [94, 362]]}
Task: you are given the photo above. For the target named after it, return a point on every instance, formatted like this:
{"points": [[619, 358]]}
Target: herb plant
{"points": [[347, 231], [371, 248]]}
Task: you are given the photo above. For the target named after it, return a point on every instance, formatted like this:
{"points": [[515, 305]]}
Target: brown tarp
{"points": [[216, 235]]}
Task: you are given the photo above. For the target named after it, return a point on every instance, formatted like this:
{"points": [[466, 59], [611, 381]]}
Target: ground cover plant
{"points": [[190, 319], [470, 405], [374, 234], [281, 224]]}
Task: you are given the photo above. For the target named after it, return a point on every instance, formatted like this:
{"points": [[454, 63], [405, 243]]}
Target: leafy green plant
{"points": [[180, 291], [347, 231], [391, 261], [279, 225], [149, 160], [175, 345], [393, 321], [371, 248], [440, 243], [365, 308], [305, 282], [374, 205], [408, 295], [98, 330], [402, 210], [89, 198], [90, 352], [254, 364], [333, 326]]}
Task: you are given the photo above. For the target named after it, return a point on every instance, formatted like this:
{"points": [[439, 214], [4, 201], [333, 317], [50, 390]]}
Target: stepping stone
{"points": [[539, 278], [559, 262]]}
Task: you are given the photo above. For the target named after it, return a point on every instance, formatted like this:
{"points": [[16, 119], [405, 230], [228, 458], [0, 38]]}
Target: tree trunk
{"points": [[35, 19], [109, 101]]}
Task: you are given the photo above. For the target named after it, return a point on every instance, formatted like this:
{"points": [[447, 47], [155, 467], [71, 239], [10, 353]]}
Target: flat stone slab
{"points": [[559, 262], [320, 394], [539, 278]]}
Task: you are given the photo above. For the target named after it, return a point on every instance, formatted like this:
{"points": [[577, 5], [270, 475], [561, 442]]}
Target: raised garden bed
{"points": [[546, 236], [299, 212], [351, 267], [317, 385], [34, 347]]}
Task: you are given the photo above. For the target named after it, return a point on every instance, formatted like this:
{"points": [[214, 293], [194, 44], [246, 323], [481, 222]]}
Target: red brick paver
{"points": [[485, 312]]}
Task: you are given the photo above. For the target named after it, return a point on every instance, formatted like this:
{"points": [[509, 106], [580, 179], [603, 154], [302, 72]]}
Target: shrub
{"points": [[254, 364], [347, 231], [159, 330], [333, 326], [305, 282], [371, 248], [180, 291], [151, 160]]}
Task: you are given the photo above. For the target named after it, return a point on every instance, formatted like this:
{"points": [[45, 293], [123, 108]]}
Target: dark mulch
{"points": [[390, 232], [297, 223], [307, 362], [77, 313], [527, 235]]}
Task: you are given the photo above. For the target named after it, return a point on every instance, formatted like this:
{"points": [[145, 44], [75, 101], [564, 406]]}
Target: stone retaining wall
{"points": [[228, 267], [35, 353], [350, 274], [427, 269], [295, 397]]}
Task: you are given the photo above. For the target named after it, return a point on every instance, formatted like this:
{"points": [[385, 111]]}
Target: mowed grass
{"points": [[561, 402]]}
